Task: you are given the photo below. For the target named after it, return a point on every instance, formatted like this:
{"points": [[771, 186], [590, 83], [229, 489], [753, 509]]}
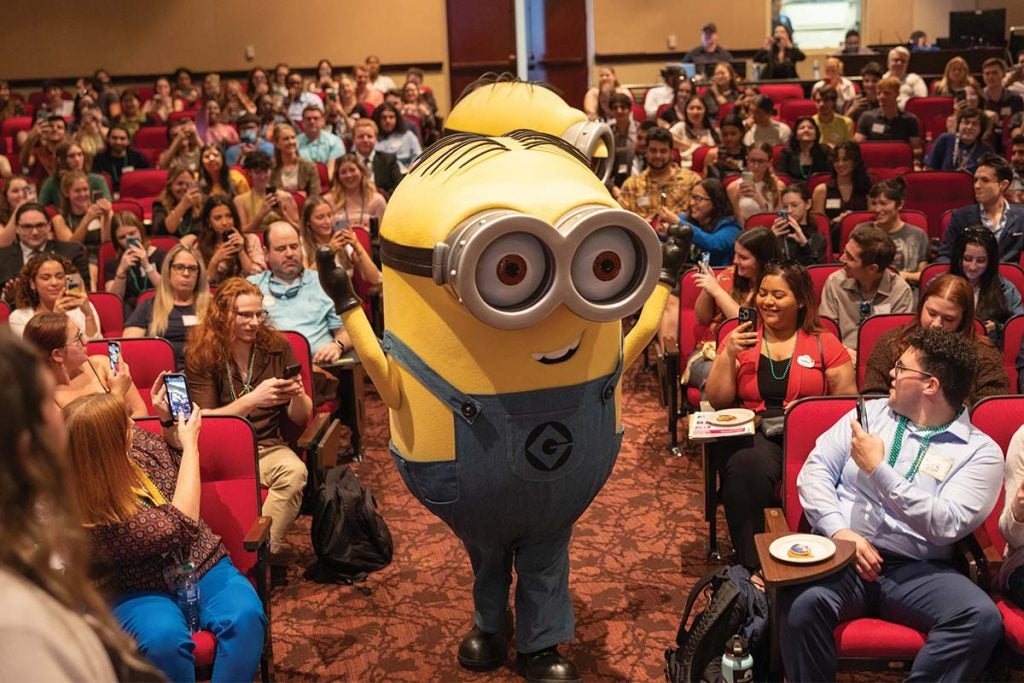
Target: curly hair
{"points": [[209, 343], [24, 295], [949, 357]]}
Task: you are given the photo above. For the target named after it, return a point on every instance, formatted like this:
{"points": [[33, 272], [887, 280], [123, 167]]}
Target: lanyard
{"points": [[246, 381], [897, 444]]}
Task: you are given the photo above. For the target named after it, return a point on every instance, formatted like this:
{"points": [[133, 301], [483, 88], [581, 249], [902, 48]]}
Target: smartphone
{"points": [[73, 282], [177, 395], [960, 95], [114, 354], [748, 314], [271, 190], [783, 213], [705, 258], [340, 223], [862, 413], [191, 185], [97, 195], [291, 371], [747, 177], [134, 242], [374, 226]]}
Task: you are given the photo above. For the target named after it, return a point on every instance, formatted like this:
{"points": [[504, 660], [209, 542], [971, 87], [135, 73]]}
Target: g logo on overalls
{"points": [[547, 442]]}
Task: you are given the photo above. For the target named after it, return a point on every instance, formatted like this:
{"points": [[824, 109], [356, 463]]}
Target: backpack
{"points": [[350, 538], [736, 606]]}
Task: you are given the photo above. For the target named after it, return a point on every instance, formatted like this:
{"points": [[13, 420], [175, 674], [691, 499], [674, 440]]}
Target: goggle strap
{"points": [[406, 259]]}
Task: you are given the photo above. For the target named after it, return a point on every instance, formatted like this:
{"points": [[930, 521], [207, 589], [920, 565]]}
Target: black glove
{"points": [[674, 253], [335, 282]]}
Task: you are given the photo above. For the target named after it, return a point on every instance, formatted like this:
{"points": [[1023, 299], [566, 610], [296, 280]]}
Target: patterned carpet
{"points": [[635, 554]]}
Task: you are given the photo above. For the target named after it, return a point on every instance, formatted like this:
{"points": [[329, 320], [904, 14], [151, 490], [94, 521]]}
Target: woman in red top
{"points": [[785, 358]]}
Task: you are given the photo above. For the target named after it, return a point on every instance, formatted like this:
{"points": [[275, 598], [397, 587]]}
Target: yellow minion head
{"points": [[498, 103], [507, 265]]}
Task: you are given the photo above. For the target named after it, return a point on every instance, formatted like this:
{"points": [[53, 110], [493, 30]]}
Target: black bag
{"points": [[735, 606], [350, 538]]}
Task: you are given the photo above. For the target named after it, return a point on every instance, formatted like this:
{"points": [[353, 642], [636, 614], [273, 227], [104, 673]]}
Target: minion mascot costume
{"points": [[508, 268]]}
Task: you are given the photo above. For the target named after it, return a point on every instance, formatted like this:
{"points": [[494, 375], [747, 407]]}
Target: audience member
{"points": [[318, 230], [386, 172], [263, 203], [919, 42], [378, 81], [766, 130], [729, 158], [1006, 221], [870, 75], [710, 218], [779, 18], [955, 77], [298, 99], [90, 128], [356, 201], [279, 86], [796, 229], [779, 55], [291, 172], [140, 501], [1013, 81], [709, 51], [724, 87], [215, 178], [416, 106], [972, 100], [235, 365], [216, 131], [677, 112], [910, 84], [38, 154], [787, 329], [997, 99], [315, 144], [55, 103], [395, 137], [9, 107], [235, 104], [804, 155], [1014, 193], [42, 287], [865, 286], [662, 185], [888, 122], [911, 242], [904, 511], [597, 99], [118, 158], [58, 625], [162, 103], [843, 86], [959, 151], [665, 93], [324, 81], [693, 131], [32, 230], [624, 130], [70, 157], [84, 217], [132, 115], [136, 265], [249, 141], [639, 150], [847, 189], [947, 303], [226, 252], [180, 302], [258, 82], [366, 95], [835, 128], [15, 192], [184, 89], [758, 190], [852, 44], [975, 258], [1011, 577], [184, 146], [176, 208]]}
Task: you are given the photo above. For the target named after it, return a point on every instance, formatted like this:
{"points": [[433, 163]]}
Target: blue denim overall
{"points": [[527, 466]]}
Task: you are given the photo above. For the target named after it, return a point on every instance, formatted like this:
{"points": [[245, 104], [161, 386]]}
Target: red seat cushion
{"points": [[1013, 622], [206, 648], [877, 639]]}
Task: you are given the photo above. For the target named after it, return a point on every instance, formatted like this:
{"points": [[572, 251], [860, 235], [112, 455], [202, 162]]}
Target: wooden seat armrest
{"points": [[323, 443], [670, 346], [775, 521], [310, 434], [259, 534]]}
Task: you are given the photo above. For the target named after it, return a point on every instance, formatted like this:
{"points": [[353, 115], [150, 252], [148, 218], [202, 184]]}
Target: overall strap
{"points": [[463, 405]]}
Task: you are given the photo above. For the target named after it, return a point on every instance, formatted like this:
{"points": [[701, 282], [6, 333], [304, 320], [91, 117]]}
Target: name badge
{"points": [[643, 202], [269, 300], [127, 169], [623, 168], [878, 128], [189, 320], [882, 308], [834, 203], [805, 361], [936, 466]]}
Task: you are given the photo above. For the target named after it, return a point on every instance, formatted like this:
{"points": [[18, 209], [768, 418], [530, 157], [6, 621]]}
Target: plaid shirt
{"points": [[643, 196]]}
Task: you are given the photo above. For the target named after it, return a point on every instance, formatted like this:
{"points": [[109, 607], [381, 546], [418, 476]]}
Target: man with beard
{"points": [[118, 158], [662, 183]]}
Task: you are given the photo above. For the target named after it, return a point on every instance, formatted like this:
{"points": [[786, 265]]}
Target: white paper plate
{"points": [[731, 417], [818, 548]]}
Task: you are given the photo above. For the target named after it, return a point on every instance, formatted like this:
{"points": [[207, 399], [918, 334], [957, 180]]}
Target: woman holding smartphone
{"points": [[758, 190], [70, 157], [318, 230], [176, 209], [765, 365], [226, 252], [47, 283], [796, 230], [353, 195], [84, 217], [136, 266], [263, 204]]}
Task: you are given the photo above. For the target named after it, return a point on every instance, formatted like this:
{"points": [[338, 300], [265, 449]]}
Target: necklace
{"points": [[927, 434], [246, 381], [771, 363]]}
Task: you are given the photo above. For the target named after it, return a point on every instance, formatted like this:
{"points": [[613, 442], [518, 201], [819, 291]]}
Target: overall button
{"points": [[468, 410], [609, 392]]}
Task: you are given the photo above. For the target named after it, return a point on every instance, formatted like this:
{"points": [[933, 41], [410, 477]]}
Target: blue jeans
{"points": [[228, 607]]}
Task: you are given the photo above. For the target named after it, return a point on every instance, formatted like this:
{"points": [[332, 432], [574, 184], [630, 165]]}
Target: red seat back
{"points": [[325, 181], [780, 92], [791, 110], [143, 183], [151, 137], [639, 115], [1013, 335], [699, 156], [724, 110], [934, 192], [869, 332], [110, 309], [5, 312], [890, 155], [128, 205], [999, 417], [147, 357], [819, 273], [14, 125], [930, 111], [689, 330]]}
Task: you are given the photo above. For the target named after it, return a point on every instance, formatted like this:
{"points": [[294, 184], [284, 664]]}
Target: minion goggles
{"points": [[511, 270]]}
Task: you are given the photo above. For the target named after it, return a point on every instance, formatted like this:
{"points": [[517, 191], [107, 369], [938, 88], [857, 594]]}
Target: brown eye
{"points": [[511, 270], [607, 266]]}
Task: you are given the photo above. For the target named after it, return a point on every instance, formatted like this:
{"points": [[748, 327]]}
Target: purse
{"points": [[773, 425]]}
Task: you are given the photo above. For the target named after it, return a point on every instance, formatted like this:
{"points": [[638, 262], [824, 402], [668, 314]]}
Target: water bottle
{"points": [[188, 596], [816, 70], [737, 663]]}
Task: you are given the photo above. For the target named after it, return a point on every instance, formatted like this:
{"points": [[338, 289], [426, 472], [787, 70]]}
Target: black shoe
{"points": [[481, 651], [546, 666]]}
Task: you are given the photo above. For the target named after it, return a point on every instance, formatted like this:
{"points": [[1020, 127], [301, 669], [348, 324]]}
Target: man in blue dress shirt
{"points": [[905, 490]]}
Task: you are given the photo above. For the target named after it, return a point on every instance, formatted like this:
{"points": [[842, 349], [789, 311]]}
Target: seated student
{"points": [[162, 103], [710, 217], [666, 93], [766, 130], [225, 250], [132, 115], [291, 172], [624, 130], [761, 193], [804, 155], [729, 158], [867, 100], [847, 189], [835, 128], [386, 172], [725, 87], [180, 302], [183, 150], [356, 201], [755, 369], [263, 203], [972, 100], [975, 258], [779, 55], [41, 287], [1006, 221], [315, 143], [176, 208], [846, 93], [318, 231], [135, 267], [997, 99], [912, 244], [959, 151], [889, 122], [119, 157], [795, 228], [947, 302], [216, 131], [235, 364], [904, 502], [249, 141], [70, 157], [17, 190], [84, 216], [1011, 526], [395, 136], [955, 77], [910, 84], [33, 237], [597, 99], [140, 501], [865, 285], [662, 184], [63, 346], [216, 178], [693, 131]]}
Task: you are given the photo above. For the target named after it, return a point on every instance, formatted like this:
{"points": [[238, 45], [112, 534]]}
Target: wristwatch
{"points": [[341, 345]]}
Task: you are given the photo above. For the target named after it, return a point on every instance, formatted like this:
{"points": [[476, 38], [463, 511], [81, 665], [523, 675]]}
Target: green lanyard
{"points": [[897, 444]]}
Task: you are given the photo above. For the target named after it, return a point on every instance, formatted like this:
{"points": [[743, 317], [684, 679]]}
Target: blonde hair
{"points": [[163, 301]]}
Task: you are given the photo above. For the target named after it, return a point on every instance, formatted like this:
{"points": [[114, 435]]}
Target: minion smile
{"points": [[558, 355]]}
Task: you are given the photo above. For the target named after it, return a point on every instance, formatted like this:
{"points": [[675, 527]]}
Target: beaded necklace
{"points": [[927, 433], [246, 381], [771, 363]]}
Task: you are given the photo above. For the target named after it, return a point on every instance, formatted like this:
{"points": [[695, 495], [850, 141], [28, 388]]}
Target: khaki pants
{"points": [[285, 475]]}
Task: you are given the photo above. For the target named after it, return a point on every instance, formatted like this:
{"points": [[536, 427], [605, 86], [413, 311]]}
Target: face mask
{"points": [[248, 136]]}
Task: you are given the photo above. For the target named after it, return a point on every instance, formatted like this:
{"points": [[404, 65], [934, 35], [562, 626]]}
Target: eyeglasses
{"points": [[619, 106], [33, 226], [77, 339], [258, 316], [900, 368], [756, 161], [182, 268], [699, 198]]}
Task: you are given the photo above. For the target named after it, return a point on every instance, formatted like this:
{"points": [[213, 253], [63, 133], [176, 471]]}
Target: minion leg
{"points": [[544, 616], [492, 576]]}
